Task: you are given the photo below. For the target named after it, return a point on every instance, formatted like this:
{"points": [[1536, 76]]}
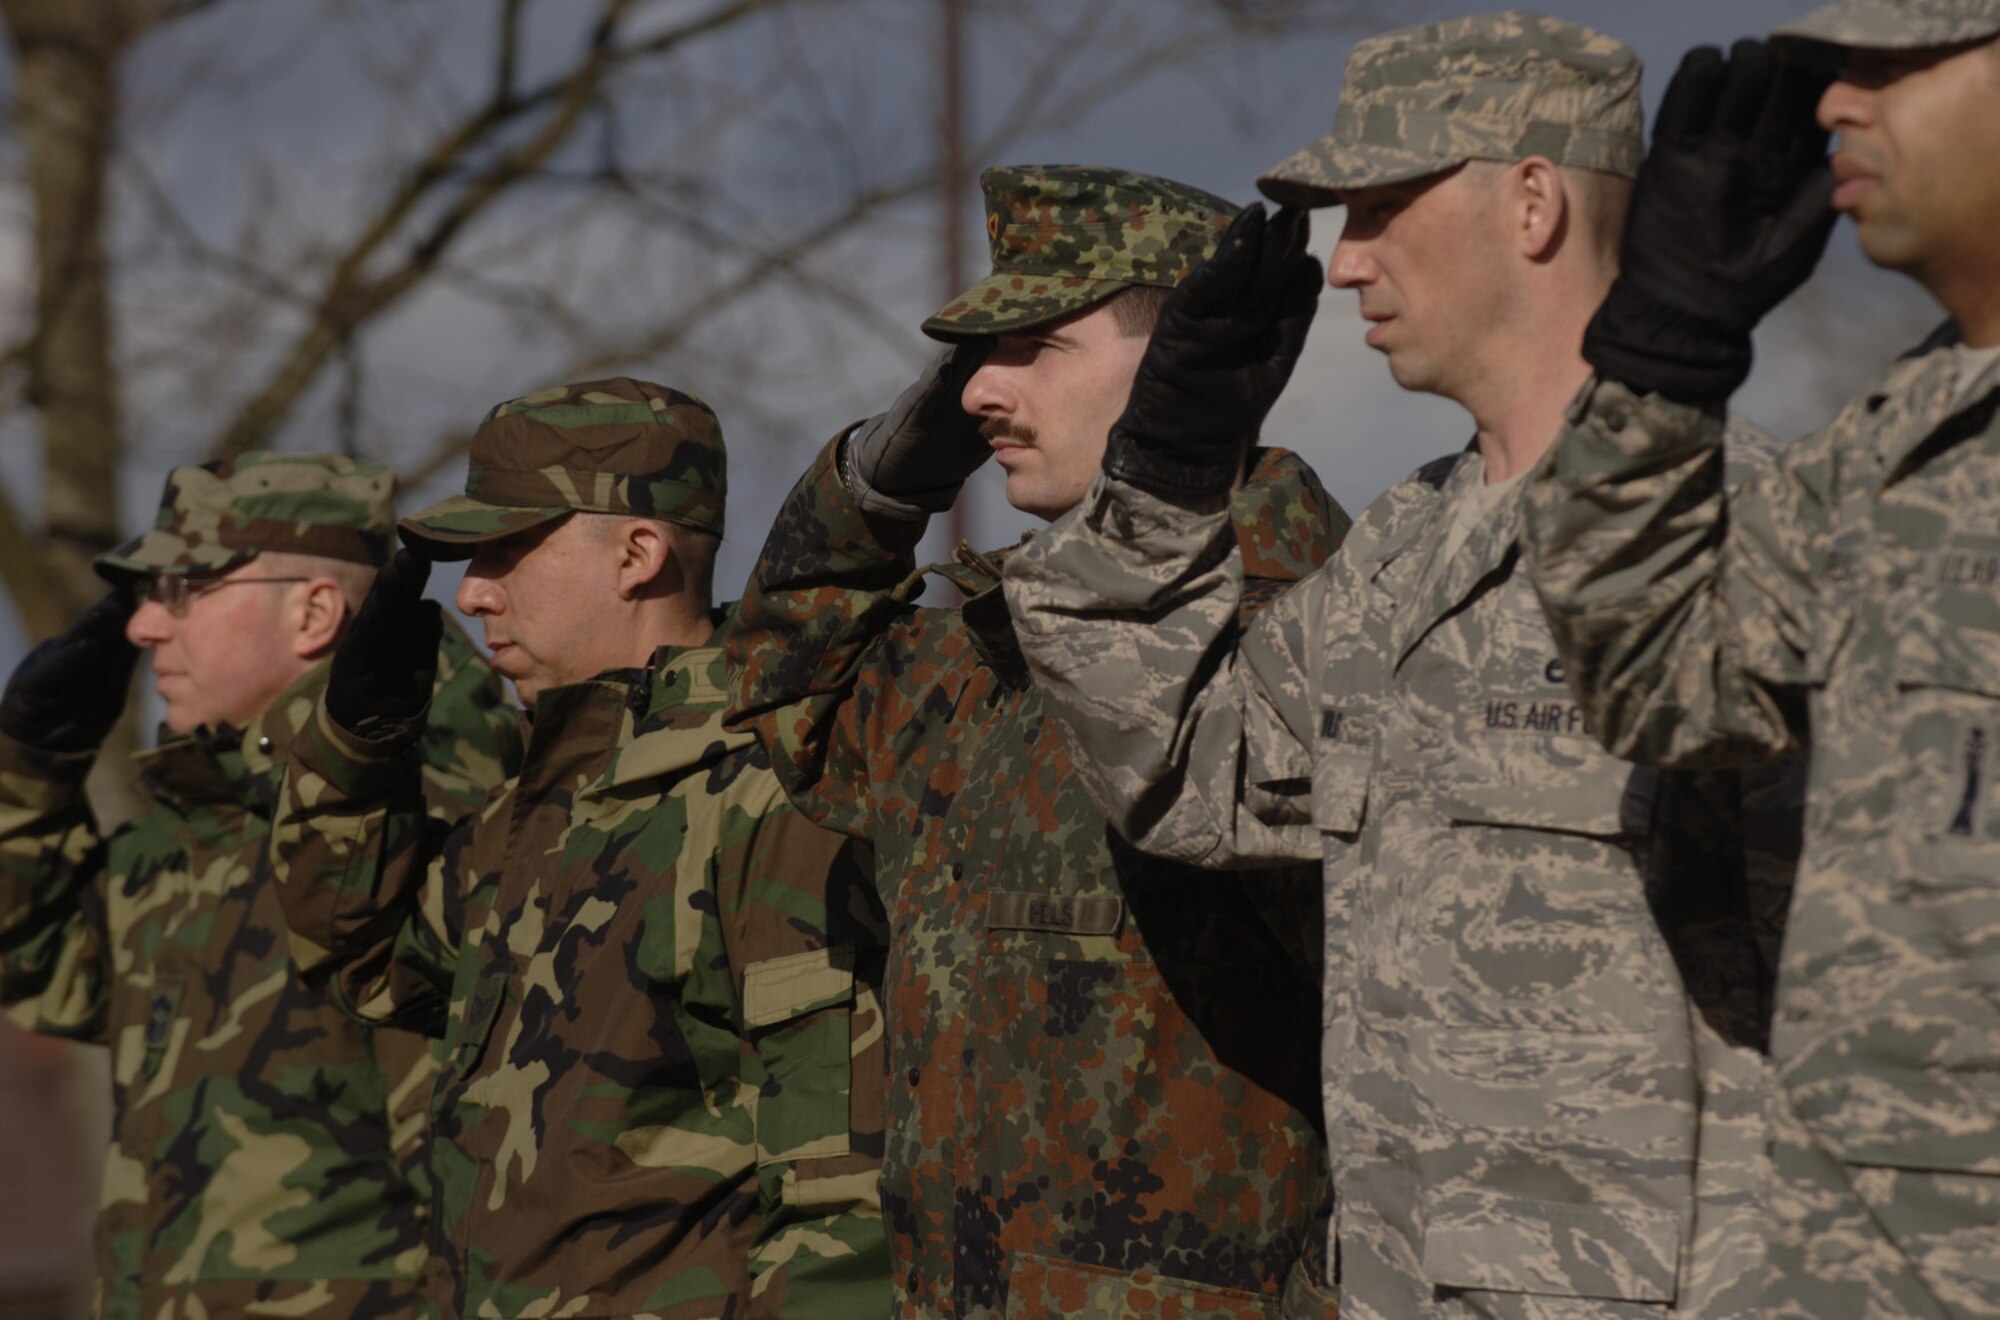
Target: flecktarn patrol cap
{"points": [[1897, 24], [1506, 86], [219, 515], [603, 446], [1067, 236]]}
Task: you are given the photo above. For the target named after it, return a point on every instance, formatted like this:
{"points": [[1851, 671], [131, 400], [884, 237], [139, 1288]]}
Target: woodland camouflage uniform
{"points": [[1845, 603], [1102, 1071], [654, 980], [263, 1145], [1542, 1089]]}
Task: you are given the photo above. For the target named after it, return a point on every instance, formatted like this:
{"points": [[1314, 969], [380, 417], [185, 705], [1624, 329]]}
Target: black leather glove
{"points": [[384, 668], [1731, 212], [67, 693], [1225, 345], [909, 462]]}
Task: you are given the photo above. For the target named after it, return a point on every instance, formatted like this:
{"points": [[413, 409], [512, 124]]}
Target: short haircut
{"points": [[353, 579], [693, 548], [1136, 309]]}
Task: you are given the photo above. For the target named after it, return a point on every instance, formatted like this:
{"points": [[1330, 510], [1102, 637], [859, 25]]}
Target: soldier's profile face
{"points": [[1917, 161], [1047, 398], [1425, 261], [226, 655], [543, 597]]}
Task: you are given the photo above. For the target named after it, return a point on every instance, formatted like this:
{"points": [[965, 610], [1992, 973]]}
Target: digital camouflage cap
{"points": [[221, 514], [1897, 24], [1067, 236], [603, 446], [1506, 86]]}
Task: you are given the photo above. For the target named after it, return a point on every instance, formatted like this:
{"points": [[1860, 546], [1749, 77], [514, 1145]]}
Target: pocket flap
{"points": [[1570, 787], [1340, 782], [780, 989], [1552, 1248]]}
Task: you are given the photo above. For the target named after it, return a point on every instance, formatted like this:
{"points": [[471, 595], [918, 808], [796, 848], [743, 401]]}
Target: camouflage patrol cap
{"points": [[1897, 24], [1067, 236], [221, 514], [1420, 100], [602, 446]]}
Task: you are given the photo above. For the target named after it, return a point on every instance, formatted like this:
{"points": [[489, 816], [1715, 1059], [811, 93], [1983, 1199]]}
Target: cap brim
{"points": [[1885, 25], [450, 529], [164, 552], [1005, 302], [1321, 173]]}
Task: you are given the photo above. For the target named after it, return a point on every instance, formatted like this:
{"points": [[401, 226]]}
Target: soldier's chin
{"points": [[1034, 497]]}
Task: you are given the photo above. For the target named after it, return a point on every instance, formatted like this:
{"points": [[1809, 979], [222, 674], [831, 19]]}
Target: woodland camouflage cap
{"points": [[1067, 236], [219, 515], [1897, 24], [1503, 87], [603, 446]]}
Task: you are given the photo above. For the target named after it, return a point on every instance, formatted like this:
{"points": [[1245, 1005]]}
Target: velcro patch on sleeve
{"points": [[1060, 914]]}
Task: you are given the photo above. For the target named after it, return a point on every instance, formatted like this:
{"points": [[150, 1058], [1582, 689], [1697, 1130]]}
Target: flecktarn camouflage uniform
{"points": [[654, 981], [1101, 1065], [263, 1145], [1542, 1086], [1847, 602]]}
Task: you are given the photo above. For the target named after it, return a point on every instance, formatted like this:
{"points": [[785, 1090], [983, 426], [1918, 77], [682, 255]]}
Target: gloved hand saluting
{"points": [[1730, 214], [68, 692], [909, 462], [1227, 340], [382, 673]]}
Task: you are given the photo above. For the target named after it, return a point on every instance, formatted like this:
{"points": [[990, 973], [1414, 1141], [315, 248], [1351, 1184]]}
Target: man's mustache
{"points": [[1001, 428]]}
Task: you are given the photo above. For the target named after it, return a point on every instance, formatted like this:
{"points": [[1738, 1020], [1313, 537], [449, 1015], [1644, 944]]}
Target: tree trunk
{"points": [[66, 57]]}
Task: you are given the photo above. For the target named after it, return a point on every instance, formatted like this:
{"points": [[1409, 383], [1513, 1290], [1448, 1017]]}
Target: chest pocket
{"points": [[1928, 801], [466, 1033], [1342, 763], [799, 1010], [1947, 673]]}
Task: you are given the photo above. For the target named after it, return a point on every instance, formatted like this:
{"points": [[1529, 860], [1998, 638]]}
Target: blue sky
{"points": [[444, 357]]}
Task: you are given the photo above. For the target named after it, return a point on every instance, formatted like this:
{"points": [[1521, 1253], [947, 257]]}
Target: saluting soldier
{"points": [[1546, 980], [1847, 602], [265, 1149], [1102, 1065], [654, 981]]}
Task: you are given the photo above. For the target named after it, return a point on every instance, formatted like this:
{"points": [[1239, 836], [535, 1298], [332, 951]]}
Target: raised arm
{"points": [[1195, 738], [363, 870], [58, 708], [1684, 612], [835, 582]]}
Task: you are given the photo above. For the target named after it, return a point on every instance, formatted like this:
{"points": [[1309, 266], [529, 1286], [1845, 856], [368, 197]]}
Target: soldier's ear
{"points": [[643, 554], [320, 616], [1538, 205]]}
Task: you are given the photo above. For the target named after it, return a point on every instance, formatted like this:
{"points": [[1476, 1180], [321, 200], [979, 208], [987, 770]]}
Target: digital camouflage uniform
{"points": [[1846, 602], [262, 1143], [1101, 1066], [1545, 969], [654, 981]]}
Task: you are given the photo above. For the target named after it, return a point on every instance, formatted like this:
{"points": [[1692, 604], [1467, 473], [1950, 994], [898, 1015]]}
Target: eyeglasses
{"points": [[177, 591]]}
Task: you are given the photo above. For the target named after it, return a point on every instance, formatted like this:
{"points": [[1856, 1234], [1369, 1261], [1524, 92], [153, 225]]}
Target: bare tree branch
{"points": [[350, 297]]}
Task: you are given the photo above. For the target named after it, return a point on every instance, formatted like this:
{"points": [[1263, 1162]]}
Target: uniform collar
{"points": [[673, 712], [1913, 413], [1286, 526], [218, 764]]}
